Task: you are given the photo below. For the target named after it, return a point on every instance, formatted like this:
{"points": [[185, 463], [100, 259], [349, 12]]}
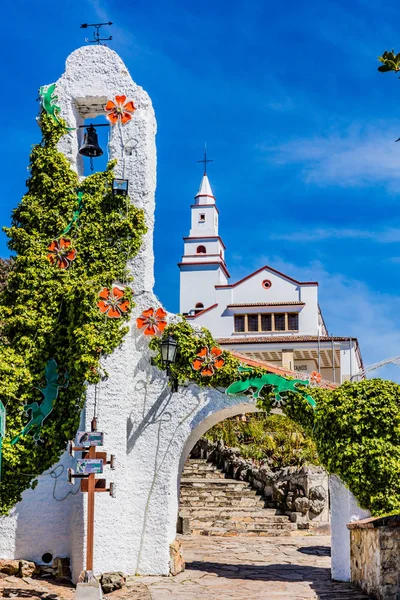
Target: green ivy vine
{"points": [[355, 427], [47, 312], [189, 343]]}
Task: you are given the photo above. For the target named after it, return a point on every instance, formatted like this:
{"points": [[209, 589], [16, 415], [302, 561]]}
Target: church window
{"points": [[239, 323], [202, 218], [280, 322], [266, 284], [266, 322], [198, 308], [252, 322], [201, 250], [293, 321]]}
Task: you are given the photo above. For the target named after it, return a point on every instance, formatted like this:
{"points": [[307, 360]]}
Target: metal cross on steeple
{"points": [[205, 160]]}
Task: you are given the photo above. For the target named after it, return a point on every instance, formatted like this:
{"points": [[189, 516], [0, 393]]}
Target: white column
{"points": [[344, 509]]}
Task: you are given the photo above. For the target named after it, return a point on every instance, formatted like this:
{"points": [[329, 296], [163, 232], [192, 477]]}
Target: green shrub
{"points": [[274, 439], [47, 312]]}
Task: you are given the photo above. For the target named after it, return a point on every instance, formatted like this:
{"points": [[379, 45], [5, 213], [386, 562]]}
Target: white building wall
{"points": [[212, 246], [148, 428], [221, 320], [207, 227], [344, 509]]}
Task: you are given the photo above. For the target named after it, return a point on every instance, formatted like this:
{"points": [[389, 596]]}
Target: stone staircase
{"points": [[211, 504]]}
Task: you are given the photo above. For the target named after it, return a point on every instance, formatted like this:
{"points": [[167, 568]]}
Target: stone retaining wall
{"points": [[300, 492], [375, 556]]}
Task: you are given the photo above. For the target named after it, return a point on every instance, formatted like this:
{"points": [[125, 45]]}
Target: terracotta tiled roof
{"points": [[282, 338], [266, 304]]}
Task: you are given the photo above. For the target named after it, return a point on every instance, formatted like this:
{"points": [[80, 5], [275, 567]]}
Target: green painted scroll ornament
{"points": [[39, 412], [48, 99], [2, 428], [280, 386]]}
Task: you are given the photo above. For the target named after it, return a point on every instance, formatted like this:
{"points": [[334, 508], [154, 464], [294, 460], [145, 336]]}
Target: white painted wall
{"points": [[207, 227], [221, 320], [147, 427], [197, 284], [344, 509]]}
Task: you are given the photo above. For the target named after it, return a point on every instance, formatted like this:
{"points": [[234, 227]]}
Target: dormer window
{"points": [[201, 250], [202, 218]]}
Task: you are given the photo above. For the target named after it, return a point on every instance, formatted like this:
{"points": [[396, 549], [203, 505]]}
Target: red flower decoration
{"points": [[315, 377], [208, 360], [112, 302], [154, 322], [61, 253], [120, 110]]}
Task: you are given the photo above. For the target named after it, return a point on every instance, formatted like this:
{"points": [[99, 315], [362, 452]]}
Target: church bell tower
{"points": [[203, 262]]}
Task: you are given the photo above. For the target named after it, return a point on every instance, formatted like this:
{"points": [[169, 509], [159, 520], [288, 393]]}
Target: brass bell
{"points": [[90, 146]]}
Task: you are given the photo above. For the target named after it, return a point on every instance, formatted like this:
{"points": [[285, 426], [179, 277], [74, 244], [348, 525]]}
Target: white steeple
{"points": [[205, 194], [203, 263]]}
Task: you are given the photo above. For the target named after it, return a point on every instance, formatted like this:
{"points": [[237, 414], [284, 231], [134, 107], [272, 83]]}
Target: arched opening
{"points": [[198, 307], [267, 454], [269, 535], [201, 250]]}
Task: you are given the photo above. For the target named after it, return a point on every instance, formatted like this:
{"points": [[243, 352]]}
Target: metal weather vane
{"points": [[96, 33]]}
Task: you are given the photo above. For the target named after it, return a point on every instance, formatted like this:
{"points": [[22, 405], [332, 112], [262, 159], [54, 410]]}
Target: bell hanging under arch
{"points": [[90, 146]]}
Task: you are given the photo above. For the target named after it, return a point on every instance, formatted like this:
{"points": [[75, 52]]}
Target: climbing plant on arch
{"points": [[356, 427], [49, 308]]}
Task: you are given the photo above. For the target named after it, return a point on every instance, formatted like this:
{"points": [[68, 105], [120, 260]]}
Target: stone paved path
{"points": [[290, 568]]}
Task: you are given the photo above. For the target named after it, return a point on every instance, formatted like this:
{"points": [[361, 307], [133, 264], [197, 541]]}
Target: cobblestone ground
{"points": [[222, 568], [286, 568]]}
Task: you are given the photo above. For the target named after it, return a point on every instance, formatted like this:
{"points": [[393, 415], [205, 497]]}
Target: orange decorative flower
{"points": [[112, 302], [315, 377], [154, 322], [207, 360], [61, 253], [120, 110]]}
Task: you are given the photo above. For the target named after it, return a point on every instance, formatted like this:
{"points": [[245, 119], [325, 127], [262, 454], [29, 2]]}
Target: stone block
{"points": [[112, 581], [26, 568], [177, 563], [375, 556], [9, 567]]}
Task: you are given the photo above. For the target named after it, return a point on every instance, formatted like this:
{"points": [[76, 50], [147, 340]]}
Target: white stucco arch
{"points": [[212, 419], [150, 429]]}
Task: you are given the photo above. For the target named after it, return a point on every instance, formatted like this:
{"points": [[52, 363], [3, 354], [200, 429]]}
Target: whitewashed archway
{"points": [[150, 429]]}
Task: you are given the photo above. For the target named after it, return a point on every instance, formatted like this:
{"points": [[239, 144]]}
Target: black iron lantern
{"points": [[168, 356], [120, 187], [90, 146], [168, 352]]}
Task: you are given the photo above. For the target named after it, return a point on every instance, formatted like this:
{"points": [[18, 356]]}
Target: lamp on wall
{"points": [[120, 187], [168, 356]]}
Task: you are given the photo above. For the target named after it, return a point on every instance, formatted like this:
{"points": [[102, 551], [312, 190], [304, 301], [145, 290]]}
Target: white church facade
{"points": [[268, 315]]}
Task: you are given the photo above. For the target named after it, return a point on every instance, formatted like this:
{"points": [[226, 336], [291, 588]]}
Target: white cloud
{"points": [[351, 308], [359, 157], [385, 236]]}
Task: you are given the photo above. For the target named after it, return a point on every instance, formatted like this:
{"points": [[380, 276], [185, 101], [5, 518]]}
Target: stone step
{"points": [[222, 532], [221, 502], [238, 510], [256, 517], [199, 482], [202, 475], [213, 504], [203, 492], [239, 525], [199, 466]]}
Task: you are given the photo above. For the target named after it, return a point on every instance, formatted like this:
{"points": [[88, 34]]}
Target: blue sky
{"points": [[300, 124]]}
